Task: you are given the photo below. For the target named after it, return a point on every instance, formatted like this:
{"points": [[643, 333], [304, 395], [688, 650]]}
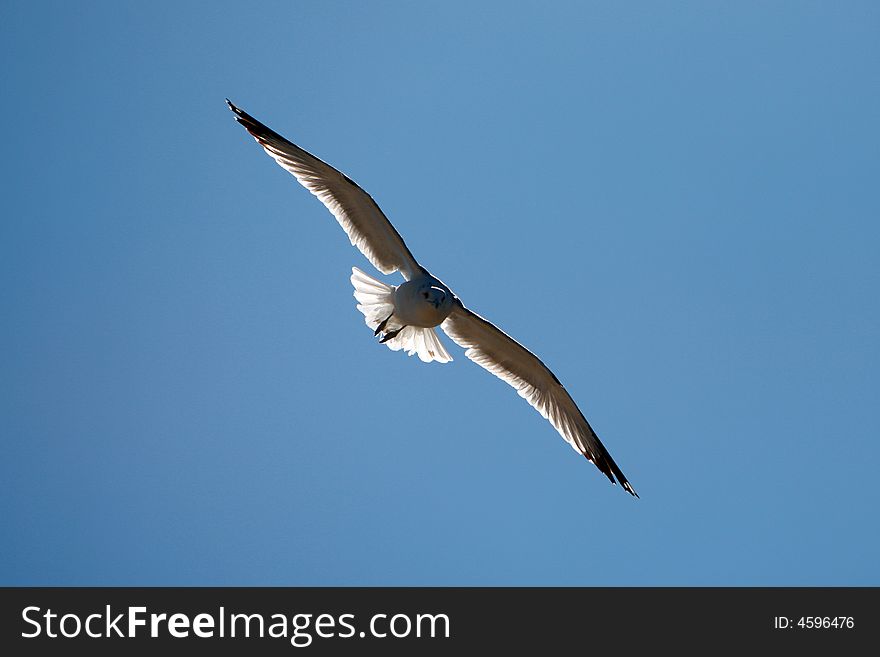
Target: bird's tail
{"points": [[376, 302]]}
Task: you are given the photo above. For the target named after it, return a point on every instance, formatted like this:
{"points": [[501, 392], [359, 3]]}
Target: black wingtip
{"points": [[234, 108], [258, 130], [609, 468], [241, 116]]}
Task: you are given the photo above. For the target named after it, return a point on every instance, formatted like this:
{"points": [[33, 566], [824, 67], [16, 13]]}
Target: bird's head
{"points": [[423, 302], [434, 295]]}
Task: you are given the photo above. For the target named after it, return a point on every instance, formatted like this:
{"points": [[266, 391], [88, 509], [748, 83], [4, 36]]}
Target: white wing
{"points": [[355, 210], [491, 348]]}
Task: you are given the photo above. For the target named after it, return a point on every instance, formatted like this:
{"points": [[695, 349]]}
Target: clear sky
{"points": [[675, 205]]}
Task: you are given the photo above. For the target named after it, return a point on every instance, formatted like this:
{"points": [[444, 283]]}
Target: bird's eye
{"points": [[425, 294]]}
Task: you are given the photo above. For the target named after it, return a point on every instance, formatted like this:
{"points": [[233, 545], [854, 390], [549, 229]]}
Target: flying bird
{"points": [[404, 316]]}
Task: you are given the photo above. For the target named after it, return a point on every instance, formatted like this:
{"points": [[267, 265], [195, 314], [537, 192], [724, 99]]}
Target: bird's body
{"points": [[405, 316]]}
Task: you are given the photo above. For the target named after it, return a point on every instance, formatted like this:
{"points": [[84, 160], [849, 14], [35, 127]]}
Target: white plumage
{"points": [[405, 316], [376, 302]]}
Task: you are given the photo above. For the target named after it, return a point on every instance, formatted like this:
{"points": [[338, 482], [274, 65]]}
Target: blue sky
{"points": [[674, 205]]}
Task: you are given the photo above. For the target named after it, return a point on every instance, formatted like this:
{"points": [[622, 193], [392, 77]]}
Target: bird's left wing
{"points": [[491, 348], [363, 221]]}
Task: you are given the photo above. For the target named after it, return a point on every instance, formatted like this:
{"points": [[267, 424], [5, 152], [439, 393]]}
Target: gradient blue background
{"points": [[674, 204]]}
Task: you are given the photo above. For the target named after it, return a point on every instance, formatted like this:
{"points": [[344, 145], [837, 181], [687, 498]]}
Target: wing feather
{"points": [[494, 350], [364, 222]]}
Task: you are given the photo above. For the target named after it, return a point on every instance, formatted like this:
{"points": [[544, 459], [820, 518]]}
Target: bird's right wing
{"points": [[494, 350], [363, 221]]}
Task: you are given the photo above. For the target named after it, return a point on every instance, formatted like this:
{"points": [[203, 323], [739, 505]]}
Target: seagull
{"points": [[403, 317]]}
